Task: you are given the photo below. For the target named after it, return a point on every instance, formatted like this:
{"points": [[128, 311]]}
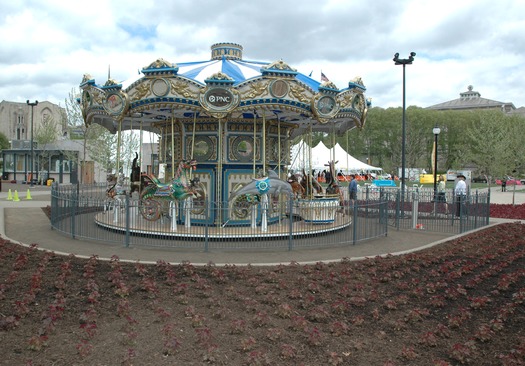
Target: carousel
{"points": [[225, 128]]}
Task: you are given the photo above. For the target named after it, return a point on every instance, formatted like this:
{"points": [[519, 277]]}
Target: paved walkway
{"points": [[24, 222]]}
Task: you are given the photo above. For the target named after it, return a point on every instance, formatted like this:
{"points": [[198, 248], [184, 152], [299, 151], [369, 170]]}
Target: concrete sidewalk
{"points": [[24, 222]]}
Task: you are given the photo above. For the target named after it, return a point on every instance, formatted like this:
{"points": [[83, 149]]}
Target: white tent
{"points": [[321, 155], [348, 164]]}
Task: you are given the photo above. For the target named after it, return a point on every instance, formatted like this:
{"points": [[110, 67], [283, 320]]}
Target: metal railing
{"points": [[421, 210], [84, 211]]}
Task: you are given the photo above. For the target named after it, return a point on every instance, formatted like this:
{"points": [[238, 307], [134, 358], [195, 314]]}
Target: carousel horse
{"points": [[115, 184], [271, 185], [115, 192], [180, 188], [333, 187], [297, 189], [135, 176], [311, 185]]}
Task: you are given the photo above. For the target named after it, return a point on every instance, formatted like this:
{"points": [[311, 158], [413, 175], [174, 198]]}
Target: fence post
{"points": [[487, 209], [54, 206], [415, 207], [477, 210], [290, 220], [206, 219], [74, 211], [127, 218], [354, 222], [398, 209]]}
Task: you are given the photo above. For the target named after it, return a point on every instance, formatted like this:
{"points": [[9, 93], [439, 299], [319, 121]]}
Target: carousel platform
{"points": [[167, 227]]}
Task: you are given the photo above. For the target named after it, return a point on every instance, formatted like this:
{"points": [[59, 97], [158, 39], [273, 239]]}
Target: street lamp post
{"points": [[404, 62], [32, 114], [436, 130]]}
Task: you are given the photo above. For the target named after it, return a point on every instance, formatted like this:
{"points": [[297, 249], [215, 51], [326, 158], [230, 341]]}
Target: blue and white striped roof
{"points": [[227, 59], [239, 70]]}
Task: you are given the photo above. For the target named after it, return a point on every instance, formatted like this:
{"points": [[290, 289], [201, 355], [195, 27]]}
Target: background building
{"points": [[472, 100]]}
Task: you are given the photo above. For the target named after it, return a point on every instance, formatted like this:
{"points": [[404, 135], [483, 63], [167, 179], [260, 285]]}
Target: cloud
{"points": [[47, 46]]}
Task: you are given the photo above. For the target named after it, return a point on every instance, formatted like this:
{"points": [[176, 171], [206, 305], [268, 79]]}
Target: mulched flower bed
{"points": [[460, 303]]}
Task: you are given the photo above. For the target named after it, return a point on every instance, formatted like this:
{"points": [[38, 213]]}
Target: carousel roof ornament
{"points": [[166, 90], [159, 67], [219, 78], [112, 84]]}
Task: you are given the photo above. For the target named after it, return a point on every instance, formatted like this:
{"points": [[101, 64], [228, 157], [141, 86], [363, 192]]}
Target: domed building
{"points": [[235, 117]]}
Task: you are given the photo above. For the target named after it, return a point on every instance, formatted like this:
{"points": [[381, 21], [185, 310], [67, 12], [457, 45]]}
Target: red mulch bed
{"points": [[461, 302]]}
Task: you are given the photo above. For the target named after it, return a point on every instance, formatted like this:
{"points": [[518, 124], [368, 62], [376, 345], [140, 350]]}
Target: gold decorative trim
{"points": [[141, 91], [299, 92], [183, 89], [256, 89]]}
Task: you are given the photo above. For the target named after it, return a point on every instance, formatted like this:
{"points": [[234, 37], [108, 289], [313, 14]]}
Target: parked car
{"points": [[511, 181], [479, 179]]}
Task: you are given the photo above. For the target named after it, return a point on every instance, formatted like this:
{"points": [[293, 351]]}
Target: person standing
{"points": [[504, 184], [460, 192], [352, 190], [441, 192]]}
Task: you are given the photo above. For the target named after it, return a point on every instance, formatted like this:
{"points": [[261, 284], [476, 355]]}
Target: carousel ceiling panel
{"points": [[239, 71]]}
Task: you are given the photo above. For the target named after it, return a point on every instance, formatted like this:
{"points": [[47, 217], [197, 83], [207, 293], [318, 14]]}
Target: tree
{"points": [[492, 144], [4, 142], [46, 135], [98, 142]]}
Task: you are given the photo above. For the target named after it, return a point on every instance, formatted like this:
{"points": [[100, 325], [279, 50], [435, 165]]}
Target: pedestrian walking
{"points": [[352, 190], [460, 193]]}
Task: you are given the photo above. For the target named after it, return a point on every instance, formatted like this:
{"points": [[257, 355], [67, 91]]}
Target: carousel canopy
{"points": [[224, 87]]}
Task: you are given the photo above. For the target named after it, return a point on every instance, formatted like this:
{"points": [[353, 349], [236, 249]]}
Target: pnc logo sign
{"points": [[219, 97]]}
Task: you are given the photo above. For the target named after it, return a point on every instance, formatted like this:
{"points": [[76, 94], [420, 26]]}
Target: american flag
{"points": [[323, 77]]}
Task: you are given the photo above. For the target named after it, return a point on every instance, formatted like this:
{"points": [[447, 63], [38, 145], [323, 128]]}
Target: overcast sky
{"points": [[46, 46]]}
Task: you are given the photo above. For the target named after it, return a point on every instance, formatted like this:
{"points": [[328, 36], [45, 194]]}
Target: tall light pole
{"points": [[404, 62], [436, 130], [32, 114]]}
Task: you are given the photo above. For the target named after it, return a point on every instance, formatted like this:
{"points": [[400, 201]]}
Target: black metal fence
{"points": [[84, 211], [419, 209]]}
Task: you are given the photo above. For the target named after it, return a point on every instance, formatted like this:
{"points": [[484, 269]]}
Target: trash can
{"points": [[50, 181]]}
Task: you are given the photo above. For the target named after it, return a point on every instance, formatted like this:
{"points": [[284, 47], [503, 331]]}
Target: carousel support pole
{"points": [[172, 147], [333, 146], [173, 213], [347, 152], [263, 150], [253, 219], [116, 209], [279, 145], [254, 140], [141, 138], [188, 205], [309, 174], [119, 141], [264, 207], [193, 140], [219, 176], [193, 134]]}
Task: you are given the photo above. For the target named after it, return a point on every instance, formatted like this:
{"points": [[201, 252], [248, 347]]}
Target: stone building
{"points": [[19, 122], [472, 100]]}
